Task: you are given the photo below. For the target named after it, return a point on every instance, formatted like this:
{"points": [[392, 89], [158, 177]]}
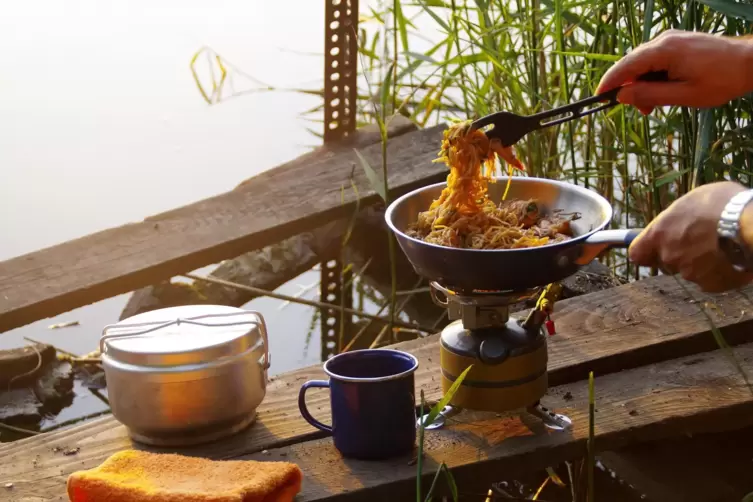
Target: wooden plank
{"points": [[623, 327], [27, 361], [266, 268], [305, 193], [605, 331], [703, 468], [651, 402]]}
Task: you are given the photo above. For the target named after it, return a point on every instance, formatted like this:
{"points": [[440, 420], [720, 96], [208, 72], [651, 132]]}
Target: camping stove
{"points": [[509, 356]]}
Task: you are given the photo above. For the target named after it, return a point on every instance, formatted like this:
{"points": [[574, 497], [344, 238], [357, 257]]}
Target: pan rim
{"points": [[609, 212]]}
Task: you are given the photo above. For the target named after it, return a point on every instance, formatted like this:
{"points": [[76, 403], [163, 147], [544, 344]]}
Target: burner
{"points": [[509, 355], [479, 309]]}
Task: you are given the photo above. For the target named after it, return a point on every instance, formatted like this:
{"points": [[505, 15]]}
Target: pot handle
{"points": [[302, 403], [263, 329], [601, 241]]}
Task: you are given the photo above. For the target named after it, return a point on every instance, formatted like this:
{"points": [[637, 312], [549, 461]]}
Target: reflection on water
{"points": [[101, 125]]}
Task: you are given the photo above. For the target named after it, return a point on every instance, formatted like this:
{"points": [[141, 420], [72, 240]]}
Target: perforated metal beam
{"points": [[340, 94], [340, 68]]}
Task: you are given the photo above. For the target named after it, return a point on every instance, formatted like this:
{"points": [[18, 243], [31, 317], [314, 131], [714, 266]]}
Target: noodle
{"points": [[464, 217]]}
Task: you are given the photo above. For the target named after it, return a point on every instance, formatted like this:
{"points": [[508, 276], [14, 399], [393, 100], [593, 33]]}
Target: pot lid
{"points": [[188, 334]]}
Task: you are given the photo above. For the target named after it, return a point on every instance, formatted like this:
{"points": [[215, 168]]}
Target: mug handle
{"points": [[302, 403]]}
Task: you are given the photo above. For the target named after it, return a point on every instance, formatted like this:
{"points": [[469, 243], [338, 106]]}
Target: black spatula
{"points": [[509, 128]]}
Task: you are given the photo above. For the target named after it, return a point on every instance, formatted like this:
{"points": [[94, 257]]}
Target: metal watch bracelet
{"points": [[728, 230]]}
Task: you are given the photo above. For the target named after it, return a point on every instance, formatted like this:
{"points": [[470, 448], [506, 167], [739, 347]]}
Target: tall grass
{"points": [[458, 59]]}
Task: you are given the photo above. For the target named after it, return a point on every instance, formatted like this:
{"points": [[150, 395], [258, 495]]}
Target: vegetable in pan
{"points": [[464, 216]]}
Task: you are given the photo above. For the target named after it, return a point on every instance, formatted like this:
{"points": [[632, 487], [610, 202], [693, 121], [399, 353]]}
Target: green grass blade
{"points": [[450, 479], [730, 8], [446, 398], [423, 57], [384, 95], [433, 486], [376, 184], [705, 129], [648, 17], [441, 22], [584, 55], [668, 178], [402, 24]]}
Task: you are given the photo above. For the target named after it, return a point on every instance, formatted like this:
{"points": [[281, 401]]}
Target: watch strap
{"points": [[728, 230]]}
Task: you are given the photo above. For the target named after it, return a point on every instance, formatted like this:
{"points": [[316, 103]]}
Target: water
{"points": [[101, 125]]}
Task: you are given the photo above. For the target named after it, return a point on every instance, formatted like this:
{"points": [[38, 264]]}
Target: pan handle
{"points": [[604, 240]]}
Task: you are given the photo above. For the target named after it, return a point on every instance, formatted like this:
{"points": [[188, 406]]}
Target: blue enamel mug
{"points": [[373, 400]]}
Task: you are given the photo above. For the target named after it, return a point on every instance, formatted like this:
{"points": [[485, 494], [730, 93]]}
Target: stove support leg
{"points": [[447, 412], [554, 421]]}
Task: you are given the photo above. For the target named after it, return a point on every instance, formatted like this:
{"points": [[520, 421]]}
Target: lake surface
{"points": [[101, 124]]}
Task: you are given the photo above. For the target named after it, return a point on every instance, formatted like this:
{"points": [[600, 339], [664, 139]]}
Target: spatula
{"points": [[509, 128]]}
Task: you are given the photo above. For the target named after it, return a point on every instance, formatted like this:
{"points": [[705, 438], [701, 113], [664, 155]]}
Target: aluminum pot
{"points": [[186, 375]]}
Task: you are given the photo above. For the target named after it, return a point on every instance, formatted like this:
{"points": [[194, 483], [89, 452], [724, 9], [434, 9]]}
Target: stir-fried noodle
{"points": [[464, 216]]}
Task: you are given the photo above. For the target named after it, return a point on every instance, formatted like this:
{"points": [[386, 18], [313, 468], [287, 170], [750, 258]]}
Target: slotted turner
{"points": [[509, 128]]}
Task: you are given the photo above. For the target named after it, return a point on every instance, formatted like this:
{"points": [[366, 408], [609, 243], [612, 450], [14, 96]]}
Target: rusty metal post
{"points": [[340, 94], [340, 68]]}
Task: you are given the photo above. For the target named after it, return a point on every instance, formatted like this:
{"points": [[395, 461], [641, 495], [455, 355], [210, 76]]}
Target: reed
{"points": [[441, 60]]}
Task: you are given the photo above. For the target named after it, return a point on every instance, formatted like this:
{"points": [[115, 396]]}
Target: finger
{"points": [[671, 259], [642, 60], [649, 94], [626, 97], [668, 269], [699, 273], [643, 250]]}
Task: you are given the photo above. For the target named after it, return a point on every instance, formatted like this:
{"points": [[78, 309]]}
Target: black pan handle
{"points": [[576, 110], [601, 241]]}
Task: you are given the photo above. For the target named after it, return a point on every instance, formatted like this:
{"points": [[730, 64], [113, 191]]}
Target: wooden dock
{"points": [[659, 374], [310, 191]]}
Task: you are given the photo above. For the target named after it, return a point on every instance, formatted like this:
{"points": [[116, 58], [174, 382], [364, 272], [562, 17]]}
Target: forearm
{"points": [[744, 44]]}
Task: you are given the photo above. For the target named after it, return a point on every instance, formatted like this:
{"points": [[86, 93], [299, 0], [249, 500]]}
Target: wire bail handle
{"points": [[157, 325]]}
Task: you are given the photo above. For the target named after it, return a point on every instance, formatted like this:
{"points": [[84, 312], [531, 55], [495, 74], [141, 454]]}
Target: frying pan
{"points": [[465, 270]]}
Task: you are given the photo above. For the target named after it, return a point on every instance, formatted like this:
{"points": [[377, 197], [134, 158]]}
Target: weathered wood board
{"points": [[266, 268], [713, 467], [19, 366], [673, 397], [624, 327], [295, 197], [627, 326]]}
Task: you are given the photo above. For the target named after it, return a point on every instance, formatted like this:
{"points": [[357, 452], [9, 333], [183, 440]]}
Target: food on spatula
{"points": [[137, 476], [464, 217]]}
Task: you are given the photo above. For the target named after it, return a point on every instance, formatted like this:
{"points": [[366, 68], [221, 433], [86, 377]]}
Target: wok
{"points": [[511, 269]]}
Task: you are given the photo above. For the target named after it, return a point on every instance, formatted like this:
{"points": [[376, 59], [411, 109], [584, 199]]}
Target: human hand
{"points": [[704, 71], [683, 239]]}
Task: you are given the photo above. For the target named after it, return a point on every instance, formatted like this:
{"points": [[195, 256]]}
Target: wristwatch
{"points": [[728, 229]]}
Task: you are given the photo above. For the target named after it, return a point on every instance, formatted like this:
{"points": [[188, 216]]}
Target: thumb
{"points": [[642, 250], [646, 95]]}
